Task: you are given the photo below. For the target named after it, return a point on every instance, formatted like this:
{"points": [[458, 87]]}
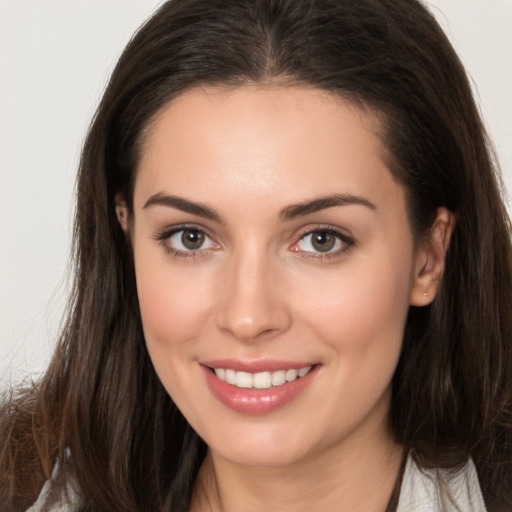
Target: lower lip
{"points": [[256, 401]]}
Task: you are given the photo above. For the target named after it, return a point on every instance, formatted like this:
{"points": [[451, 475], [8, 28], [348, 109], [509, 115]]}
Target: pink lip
{"points": [[255, 366], [256, 401]]}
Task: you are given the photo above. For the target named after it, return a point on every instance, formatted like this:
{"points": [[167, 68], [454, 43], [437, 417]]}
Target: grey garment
{"points": [[68, 501], [422, 491], [438, 490]]}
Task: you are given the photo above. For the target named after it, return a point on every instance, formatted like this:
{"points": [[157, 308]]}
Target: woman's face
{"points": [[275, 267]]}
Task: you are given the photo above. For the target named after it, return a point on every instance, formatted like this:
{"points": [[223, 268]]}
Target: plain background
{"points": [[55, 58]]}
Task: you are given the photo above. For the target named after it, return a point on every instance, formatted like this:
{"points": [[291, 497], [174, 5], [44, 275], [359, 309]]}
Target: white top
{"points": [[63, 505], [434, 490]]}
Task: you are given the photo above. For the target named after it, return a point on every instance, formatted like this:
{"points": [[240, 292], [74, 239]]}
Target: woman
{"points": [[292, 282]]}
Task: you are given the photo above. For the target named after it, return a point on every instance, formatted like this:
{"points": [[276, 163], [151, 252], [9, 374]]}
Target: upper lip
{"points": [[256, 366]]}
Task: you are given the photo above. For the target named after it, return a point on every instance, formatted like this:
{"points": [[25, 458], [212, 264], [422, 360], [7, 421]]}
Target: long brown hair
{"points": [[132, 450]]}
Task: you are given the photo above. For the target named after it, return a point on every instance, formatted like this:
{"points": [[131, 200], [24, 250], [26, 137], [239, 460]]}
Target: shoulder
{"points": [[422, 490], [440, 490]]}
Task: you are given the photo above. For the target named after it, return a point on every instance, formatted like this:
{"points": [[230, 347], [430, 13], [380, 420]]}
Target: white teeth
{"points": [[231, 377], [291, 375], [243, 380], [278, 378], [304, 371], [260, 380]]}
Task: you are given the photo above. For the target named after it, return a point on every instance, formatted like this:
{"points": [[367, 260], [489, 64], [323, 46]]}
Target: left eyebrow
{"points": [[321, 203]]}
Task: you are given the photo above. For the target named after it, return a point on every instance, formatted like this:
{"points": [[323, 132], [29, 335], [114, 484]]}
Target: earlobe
{"points": [[121, 212], [430, 259]]}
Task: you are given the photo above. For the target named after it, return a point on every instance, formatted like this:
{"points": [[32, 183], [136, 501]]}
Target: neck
{"points": [[340, 478]]}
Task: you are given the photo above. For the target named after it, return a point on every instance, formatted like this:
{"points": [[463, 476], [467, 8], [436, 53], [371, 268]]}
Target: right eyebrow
{"points": [[180, 203]]}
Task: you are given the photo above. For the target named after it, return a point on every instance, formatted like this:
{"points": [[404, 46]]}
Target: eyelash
{"points": [[347, 242], [164, 236]]}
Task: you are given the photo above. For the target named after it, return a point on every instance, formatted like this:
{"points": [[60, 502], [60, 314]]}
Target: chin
{"points": [[266, 446]]}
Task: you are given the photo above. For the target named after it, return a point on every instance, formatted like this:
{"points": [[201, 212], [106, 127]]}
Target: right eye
{"points": [[186, 241]]}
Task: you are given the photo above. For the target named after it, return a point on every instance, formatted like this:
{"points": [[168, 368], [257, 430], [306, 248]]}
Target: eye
{"points": [[186, 240], [323, 241], [189, 240]]}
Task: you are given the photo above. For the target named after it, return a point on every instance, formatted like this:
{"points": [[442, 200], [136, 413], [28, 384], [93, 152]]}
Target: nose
{"points": [[253, 301]]}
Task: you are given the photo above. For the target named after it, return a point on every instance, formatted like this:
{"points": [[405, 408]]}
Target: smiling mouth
{"points": [[258, 387], [260, 380]]}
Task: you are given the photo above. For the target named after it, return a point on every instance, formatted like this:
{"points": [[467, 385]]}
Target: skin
{"points": [[258, 289]]}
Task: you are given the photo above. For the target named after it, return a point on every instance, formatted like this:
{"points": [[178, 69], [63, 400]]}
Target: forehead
{"points": [[256, 141]]}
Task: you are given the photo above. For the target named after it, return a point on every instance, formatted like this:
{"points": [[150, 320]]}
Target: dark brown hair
{"points": [[132, 450]]}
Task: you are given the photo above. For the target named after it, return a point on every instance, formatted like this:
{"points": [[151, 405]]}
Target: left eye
{"points": [[190, 240], [322, 241]]}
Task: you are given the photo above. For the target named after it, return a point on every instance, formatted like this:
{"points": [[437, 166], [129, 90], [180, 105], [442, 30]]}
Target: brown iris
{"points": [[192, 239], [323, 241]]}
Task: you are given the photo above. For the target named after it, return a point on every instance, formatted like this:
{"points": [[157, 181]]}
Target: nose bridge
{"points": [[252, 304]]}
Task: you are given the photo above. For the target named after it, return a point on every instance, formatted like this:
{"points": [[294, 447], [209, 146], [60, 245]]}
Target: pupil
{"points": [[192, 239], [323, 241]]}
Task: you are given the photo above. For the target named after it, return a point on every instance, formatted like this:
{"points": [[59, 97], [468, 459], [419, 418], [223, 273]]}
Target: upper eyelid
{"points": [[347, 239], [163, 239], [171, 230], [344, 234]]}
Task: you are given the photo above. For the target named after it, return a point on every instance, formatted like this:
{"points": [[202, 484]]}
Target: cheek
{"points": [[361, 320], [174, 311], [364, 305], [173, 302]]}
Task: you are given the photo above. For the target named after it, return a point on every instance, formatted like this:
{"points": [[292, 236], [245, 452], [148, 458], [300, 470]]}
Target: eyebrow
{"points": [[184, 205], [315, 205], [290, 212]]}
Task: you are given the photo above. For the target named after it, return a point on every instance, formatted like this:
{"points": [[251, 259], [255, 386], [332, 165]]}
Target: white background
{"points": [[55, 58]]}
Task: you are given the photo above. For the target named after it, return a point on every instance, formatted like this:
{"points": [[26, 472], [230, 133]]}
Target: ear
{"points": [[430, 259], [121, 212]]}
